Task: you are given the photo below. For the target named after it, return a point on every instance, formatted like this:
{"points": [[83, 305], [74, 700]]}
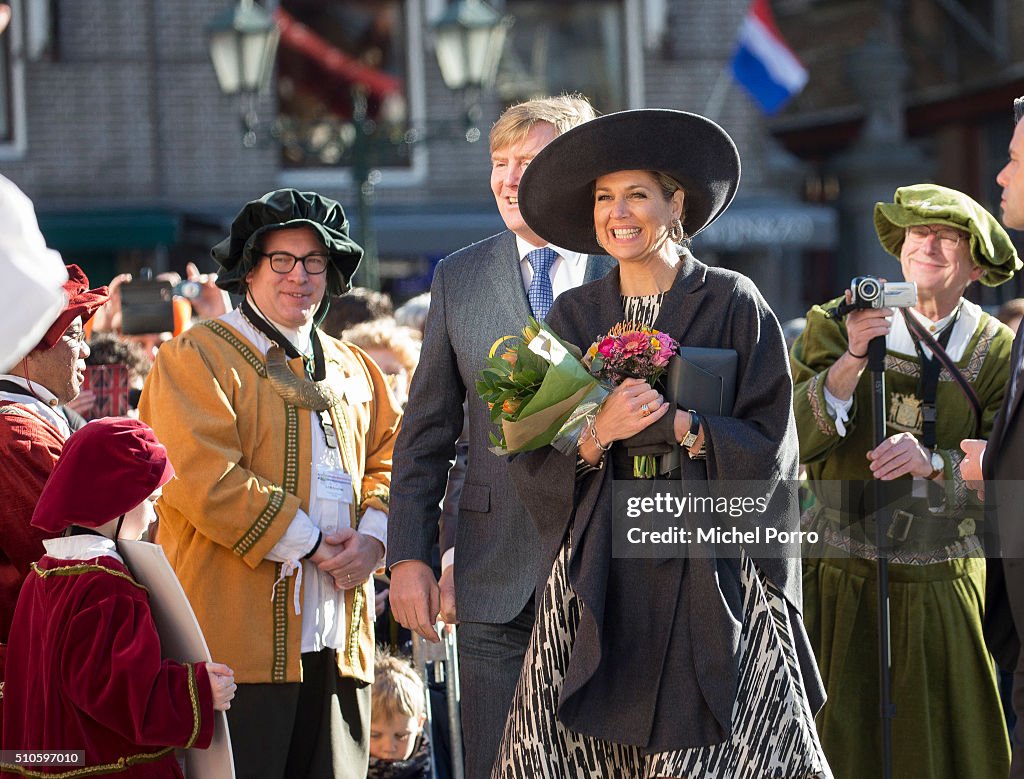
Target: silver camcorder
{"points": [[869, 292]]}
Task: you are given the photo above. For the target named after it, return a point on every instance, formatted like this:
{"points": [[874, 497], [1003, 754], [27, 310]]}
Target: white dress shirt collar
{"points": [[300, 338], [87, 547], [524, 247]]}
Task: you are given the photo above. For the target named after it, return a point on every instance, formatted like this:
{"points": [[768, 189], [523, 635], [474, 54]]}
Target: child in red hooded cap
{"points": [[84, 667]]}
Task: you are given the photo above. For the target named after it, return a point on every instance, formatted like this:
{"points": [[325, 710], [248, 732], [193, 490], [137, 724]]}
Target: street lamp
{"points": [[469, 38], [243, 42]]}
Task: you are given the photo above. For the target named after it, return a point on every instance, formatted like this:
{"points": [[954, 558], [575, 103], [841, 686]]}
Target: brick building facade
{"points": [[116, 126]]}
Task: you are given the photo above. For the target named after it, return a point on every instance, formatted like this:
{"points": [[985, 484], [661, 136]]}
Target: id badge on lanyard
{"points": [[334, 485]]}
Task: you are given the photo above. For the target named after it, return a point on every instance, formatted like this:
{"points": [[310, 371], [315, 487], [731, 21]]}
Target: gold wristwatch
{"points": [[690, 438]]}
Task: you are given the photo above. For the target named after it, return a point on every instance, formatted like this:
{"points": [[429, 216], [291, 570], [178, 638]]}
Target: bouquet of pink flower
{"points": [[632, 351]]}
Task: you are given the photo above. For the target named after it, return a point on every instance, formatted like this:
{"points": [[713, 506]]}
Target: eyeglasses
{"points": [[949, 239], [76, 337], [283, 262]]}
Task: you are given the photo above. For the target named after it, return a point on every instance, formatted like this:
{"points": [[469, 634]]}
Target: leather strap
{"points": [[922, 335]]}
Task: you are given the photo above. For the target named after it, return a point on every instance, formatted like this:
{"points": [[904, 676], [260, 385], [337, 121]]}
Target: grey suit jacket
{"points": [[476, 297]]}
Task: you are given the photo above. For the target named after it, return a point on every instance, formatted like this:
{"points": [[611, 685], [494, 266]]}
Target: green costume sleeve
{"points": [[818, 347]]}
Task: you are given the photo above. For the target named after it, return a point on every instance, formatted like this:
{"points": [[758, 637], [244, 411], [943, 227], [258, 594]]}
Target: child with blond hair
{"points": [[399, 748]]}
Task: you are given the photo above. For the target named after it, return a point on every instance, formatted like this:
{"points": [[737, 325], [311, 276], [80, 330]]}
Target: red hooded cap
{"points": [[105, 470], [82, 302]]}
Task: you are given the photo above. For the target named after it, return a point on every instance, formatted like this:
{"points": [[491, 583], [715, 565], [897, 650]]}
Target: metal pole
{"points": [[454, 693], [419, 660], [876, 364], [719, 90], [369, 269]]}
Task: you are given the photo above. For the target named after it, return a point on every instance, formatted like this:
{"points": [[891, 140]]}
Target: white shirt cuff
{"points": [[297, 540], [447, 559], [375, 525], [838, 409]]}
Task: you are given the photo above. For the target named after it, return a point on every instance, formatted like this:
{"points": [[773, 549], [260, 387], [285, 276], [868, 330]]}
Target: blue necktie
{"points": [[540, 293]]}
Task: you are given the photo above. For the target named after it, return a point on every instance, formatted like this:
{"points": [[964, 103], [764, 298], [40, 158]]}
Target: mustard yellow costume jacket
{"points": [[243, 459]]}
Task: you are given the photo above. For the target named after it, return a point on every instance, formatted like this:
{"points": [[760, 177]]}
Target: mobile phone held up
{"points": [[147, 305]]}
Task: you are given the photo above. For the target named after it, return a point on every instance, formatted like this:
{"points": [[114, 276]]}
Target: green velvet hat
{"points": [[931, 204], [278, 210]]}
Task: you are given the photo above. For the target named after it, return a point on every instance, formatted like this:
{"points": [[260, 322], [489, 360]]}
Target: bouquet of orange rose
{"points": [[538, 391], [630, 350]]}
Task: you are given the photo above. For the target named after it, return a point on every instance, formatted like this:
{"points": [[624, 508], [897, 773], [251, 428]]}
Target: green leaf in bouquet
{"points": [[530, 362], [496, 367], [564, 378], [485, 384], [527, 379]]}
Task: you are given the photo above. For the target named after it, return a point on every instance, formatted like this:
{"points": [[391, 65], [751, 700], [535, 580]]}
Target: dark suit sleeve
{"points": [[995, 437], [426, 445]]}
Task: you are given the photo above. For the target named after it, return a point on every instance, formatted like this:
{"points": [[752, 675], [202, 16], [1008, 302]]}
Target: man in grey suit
{"points": [[479, 294], [1002, 462]]}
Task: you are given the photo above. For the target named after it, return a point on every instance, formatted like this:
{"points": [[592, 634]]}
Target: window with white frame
{"points": [[342, 81]]}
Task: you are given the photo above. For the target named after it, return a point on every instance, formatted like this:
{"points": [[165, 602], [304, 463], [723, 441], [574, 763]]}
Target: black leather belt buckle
{"points": [[900, 527]]}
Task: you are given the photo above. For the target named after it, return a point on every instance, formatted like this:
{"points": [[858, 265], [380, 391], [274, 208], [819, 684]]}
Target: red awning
{"points": [[300, 38]]}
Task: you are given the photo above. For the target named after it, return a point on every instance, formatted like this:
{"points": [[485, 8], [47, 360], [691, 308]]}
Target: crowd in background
{"points": [[316, 538]]}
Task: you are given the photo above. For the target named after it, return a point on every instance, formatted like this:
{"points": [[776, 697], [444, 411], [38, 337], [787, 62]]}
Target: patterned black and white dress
{"points": [[773, 732]]}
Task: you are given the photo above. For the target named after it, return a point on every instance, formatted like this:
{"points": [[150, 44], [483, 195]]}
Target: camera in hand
{"points": [[869, 292]]}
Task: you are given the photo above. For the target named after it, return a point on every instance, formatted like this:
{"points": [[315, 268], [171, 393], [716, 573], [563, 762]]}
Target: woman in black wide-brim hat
{"points": [[662, 667]]}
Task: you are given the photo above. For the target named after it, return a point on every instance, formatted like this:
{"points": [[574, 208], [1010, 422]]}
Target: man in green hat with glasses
{"points": [[944, 241]]}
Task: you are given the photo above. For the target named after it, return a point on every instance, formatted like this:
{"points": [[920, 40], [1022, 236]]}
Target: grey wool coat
{"points": [[656, 658]]}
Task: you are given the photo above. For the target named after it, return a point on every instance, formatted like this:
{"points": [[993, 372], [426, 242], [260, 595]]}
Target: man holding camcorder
{"points": [[946, 366]]}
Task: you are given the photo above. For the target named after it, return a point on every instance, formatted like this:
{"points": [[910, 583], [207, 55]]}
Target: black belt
{"points": [[921, 530]]}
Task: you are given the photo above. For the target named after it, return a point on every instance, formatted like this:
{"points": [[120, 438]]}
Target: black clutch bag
{"points": [[702, 379]]}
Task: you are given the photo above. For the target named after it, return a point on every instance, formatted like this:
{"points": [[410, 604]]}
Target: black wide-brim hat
{"points": [[556, 194], [279, 210]]}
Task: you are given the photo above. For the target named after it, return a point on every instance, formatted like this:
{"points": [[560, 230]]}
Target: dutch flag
{"points": [[763, 63]]}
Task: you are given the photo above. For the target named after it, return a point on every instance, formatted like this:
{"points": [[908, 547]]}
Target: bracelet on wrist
{"points": [[592, 429], [855, 356]]}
